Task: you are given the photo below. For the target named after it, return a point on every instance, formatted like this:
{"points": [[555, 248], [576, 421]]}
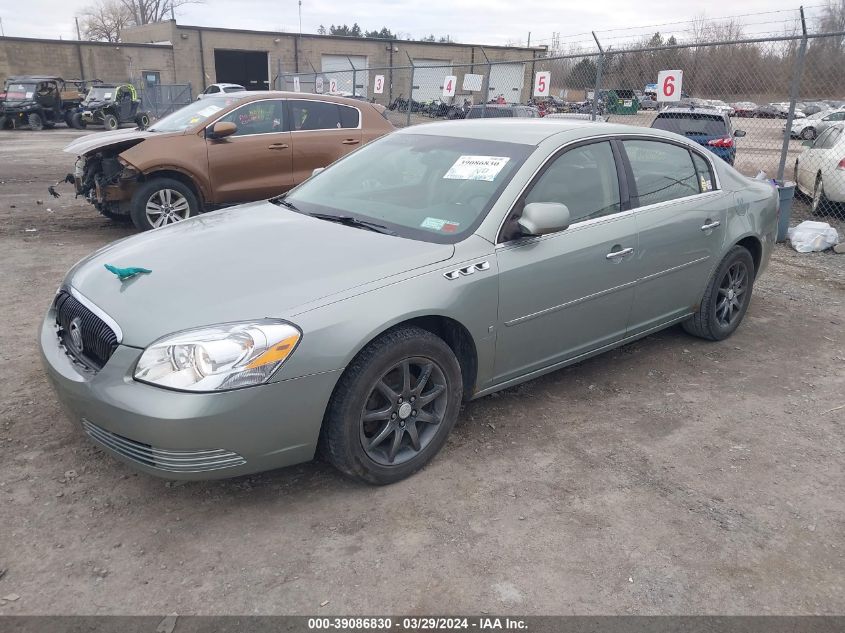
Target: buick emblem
{"points": [[75, 334]]}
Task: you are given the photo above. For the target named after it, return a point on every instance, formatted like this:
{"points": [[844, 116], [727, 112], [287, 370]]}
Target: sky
{"points": [[470, 21]]}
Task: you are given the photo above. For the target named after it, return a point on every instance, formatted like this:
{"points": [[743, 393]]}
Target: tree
{"points": [[321, 30], [105, 20], [582, 75], [384, 34], [149, 11]]}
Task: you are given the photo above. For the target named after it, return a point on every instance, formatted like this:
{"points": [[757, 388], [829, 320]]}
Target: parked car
{"points": [[806, 128], [721, 106], [38, 102], [111, 105], [770, 111], [648, 103], [217, 89], [744, 108], [705, 126], [495, 111], [222, 150], [814, 107], [357, 312], [820, 170], [575, 116], [829, 119]]}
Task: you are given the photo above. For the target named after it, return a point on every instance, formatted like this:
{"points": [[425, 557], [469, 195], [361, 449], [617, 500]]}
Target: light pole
{"points": [[3, 33]]}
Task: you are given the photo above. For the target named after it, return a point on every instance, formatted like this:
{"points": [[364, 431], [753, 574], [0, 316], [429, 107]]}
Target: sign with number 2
{"points": [[669, 84]]}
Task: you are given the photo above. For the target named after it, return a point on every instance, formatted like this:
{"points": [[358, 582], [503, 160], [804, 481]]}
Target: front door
{"points": [[568, 293], [321, 132], [681, 218], [255, 162]]}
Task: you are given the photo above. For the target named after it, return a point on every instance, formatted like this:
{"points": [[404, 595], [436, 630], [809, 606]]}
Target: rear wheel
{"points": [[110, 122], [808, 133], [160, 202], [78, 122], [726, 298], [393, 408], [143, 120], [4, 123], [35, 122], [820, 204]]}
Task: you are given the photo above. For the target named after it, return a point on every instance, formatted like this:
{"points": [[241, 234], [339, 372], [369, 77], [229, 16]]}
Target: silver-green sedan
{"points": [[354, 314]]}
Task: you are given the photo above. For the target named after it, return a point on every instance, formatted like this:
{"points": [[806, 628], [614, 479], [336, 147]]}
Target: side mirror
{"points": [[807, 143], [317, 171], [739, 133], [221, 129], [540, 218]]}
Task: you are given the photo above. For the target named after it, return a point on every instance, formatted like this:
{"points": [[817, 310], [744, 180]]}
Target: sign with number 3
{"points": [[541, 84], [669, 84], [378, 88]]}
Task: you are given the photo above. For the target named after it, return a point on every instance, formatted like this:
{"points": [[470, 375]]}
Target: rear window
{"points": [[348, 116], [233, 89], [691, 124], [490, 113], [314, 115]]}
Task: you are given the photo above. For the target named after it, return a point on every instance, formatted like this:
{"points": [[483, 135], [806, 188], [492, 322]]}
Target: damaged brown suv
{"points": [[218, 151]]}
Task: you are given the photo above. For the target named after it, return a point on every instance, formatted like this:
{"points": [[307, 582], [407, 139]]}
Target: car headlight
{"points": [[218, 357]]}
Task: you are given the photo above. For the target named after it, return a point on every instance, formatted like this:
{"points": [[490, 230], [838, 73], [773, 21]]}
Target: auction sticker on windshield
{"points": [[476, 168], [440, 225]]}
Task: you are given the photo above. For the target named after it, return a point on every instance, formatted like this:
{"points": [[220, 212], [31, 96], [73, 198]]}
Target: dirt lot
{"points": [[670, 476]]}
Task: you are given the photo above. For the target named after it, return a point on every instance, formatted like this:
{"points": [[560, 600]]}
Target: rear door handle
{"points": [[614, 255], [279, 146], [351, 141], [711, 226]]}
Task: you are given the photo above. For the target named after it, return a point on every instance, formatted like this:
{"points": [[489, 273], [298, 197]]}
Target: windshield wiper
{"points": [[281, 200], [348, 220]]}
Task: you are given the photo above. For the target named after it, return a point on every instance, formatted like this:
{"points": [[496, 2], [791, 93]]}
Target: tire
{"points": [[110, 122], [808, 133], [4, 122], [154, 196], [78, 122], [143, 120], [350, 443], [712, 320], [820, 205], [35, 122]]}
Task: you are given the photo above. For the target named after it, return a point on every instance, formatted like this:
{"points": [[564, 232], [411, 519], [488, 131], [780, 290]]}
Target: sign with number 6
{"points": [[541, 84], [378, 87], [669, 83], [449, 84]]}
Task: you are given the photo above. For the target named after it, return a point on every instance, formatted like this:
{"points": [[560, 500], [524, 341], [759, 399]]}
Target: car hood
{"points": [[103, 140], [252, 261]]}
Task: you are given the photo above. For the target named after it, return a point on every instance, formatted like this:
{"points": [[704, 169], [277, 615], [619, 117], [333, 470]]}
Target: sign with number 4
{"points": [[449, 83], [541, 84], [378, 87], [669, 84]]}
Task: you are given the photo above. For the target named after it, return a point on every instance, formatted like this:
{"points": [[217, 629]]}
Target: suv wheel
{"points": [[76, 121], [4, 122], [160, 202], [726, 298], [35, 122], [393, 408], [110, 122]]}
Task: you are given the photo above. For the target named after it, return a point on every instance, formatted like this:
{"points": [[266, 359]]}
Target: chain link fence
{"points": [[773, 105]]}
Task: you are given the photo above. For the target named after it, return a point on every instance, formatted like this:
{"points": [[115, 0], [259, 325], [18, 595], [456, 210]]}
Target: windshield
{"points": [[15, 91], [692, 124], [432, 188], [100, 93], [193, 113], [817, 115]]}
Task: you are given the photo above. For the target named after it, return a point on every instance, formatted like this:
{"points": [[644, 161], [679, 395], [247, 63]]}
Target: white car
{"points": [[806, 128], [216, 89], [820, 169], [722, 107]]}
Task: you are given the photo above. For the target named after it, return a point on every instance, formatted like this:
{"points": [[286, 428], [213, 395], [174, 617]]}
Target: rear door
{"points": [[681, 216], [255, 162], [321, 132], [568, 293]]}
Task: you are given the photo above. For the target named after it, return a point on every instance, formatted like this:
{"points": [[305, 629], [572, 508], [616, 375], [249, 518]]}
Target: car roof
{"points": [[231, 85], [34, 78], [528, 131], [693, 110], [256, 95]]}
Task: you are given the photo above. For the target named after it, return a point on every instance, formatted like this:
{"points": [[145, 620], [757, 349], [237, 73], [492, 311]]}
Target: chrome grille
{"points": [[185, 461], [98, 340]]}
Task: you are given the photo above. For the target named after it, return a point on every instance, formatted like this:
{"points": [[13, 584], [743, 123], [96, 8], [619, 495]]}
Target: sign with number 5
{"points": [[378, 88], [669, 83], [449, 83], [541, 84]]}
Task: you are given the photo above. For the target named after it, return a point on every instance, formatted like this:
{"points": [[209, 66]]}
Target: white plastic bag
{"points": [[809, 236]]}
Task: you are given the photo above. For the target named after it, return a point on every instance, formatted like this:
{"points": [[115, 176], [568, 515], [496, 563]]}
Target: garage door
{"points": [[507, 80], [428, 82], [344, 79]]}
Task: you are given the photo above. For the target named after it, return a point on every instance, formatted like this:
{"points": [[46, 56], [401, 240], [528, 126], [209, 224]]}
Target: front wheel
{"points": [[393, 408], [36, 123], [808, 133], [110, 122], [726, 298], [160, 202], [78, 122], [143, 120]]}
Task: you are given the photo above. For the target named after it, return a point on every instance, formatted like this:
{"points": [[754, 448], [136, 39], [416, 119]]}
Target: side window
{"points": [[822, 139], [662, 171], [314, 115], [584, 179], [349, 117], [830, 138], [705, 175], [258, 117], [837, 116], [212, 90]]}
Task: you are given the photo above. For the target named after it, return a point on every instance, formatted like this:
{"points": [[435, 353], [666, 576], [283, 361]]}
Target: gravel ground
{"points": [[669, 476]]}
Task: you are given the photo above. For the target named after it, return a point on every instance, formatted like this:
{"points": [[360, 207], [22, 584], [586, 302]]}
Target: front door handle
{"points": [[351, 141], [711, 225], [615, 255], [279, 146]]}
